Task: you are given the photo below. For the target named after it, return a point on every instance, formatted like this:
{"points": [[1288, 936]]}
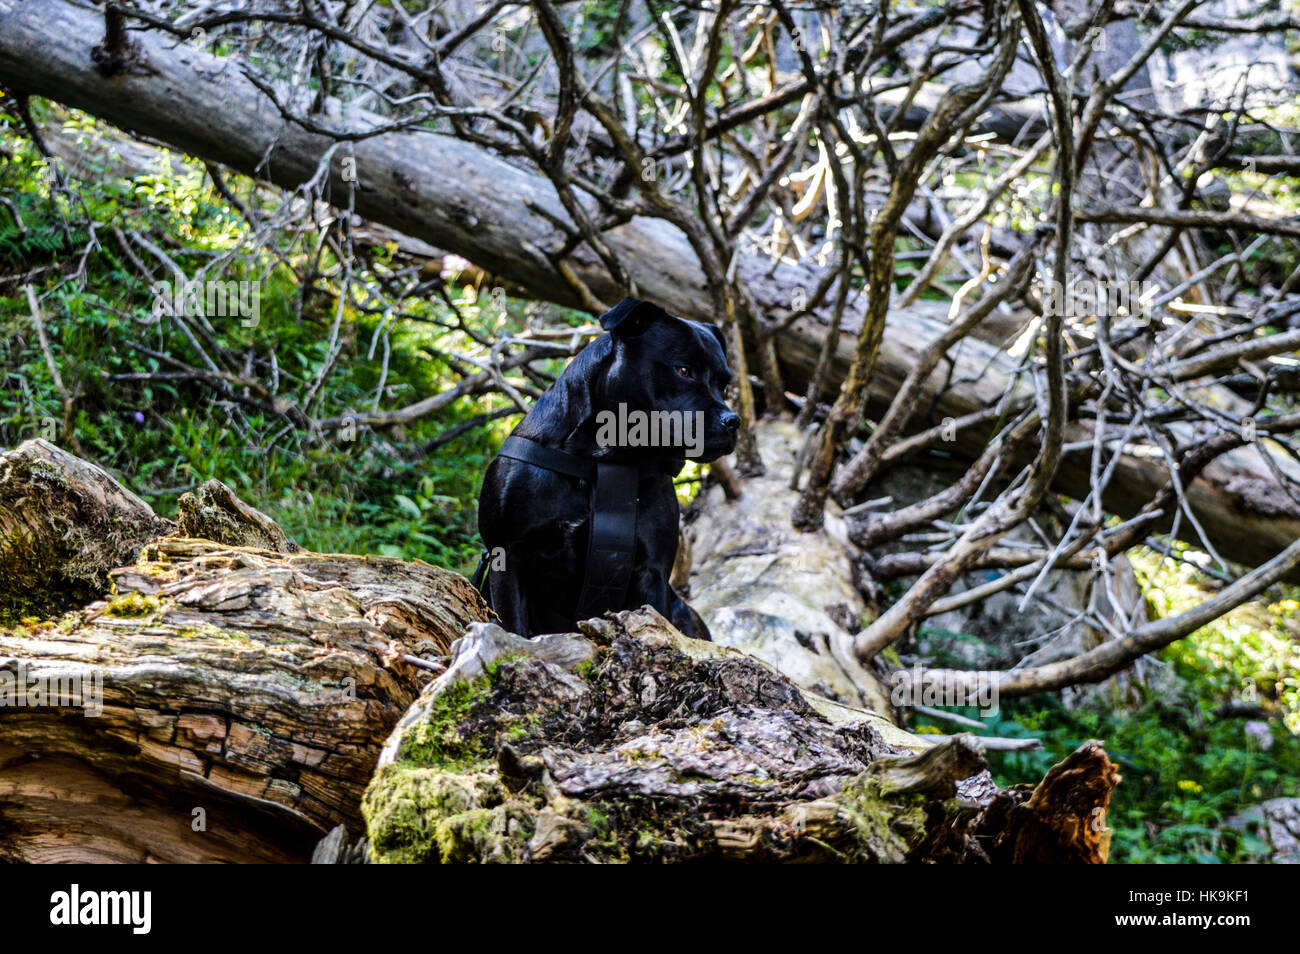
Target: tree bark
{"points": [[632, 743], [459, 197], [64, 523], [223, 702]]}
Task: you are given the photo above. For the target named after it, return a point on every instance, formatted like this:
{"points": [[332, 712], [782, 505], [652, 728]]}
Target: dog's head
{"points": [[673, 372]]}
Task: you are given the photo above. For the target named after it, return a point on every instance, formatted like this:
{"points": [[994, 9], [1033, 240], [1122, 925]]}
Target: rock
{"points": [[1276, 822]]}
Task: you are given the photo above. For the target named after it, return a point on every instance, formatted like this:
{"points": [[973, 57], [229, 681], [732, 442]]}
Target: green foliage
{"points": [[140, 413], [1185, 767], [599, 20], [1183, 770]]}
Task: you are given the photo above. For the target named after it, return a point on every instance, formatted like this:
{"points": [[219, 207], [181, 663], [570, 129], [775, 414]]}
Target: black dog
{"points": [[538, 507]]}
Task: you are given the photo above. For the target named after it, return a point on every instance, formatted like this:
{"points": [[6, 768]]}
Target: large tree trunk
{"points": [[786, 597], [461, 198], [223, 702]]}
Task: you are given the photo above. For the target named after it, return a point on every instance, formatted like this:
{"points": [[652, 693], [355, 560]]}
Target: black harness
{"points": [[611, 547]]}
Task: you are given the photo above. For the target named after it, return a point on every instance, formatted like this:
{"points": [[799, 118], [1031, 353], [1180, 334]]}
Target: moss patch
{"points": [[461, 730], [497, 835], [885, 829], [422, 815], [133, 605], [443, 740], [634, 829]]}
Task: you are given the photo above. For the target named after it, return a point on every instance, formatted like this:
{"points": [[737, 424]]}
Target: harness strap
{"points": [[611, 544], [611, 548], [480, 574], [548, 458]]}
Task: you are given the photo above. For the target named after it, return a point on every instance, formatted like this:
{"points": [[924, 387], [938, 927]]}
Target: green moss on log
{"points": [[424, 815], [664, 751], [64, 523], [884, 829], [133, 606]]}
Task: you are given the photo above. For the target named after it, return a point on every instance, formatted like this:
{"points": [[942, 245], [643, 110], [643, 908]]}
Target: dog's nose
{"points": [[731, 420]]}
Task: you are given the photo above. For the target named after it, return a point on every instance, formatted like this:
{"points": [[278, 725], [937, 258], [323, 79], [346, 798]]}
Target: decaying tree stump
{"points": [[64, 523], [633, 743], [229, 700]]}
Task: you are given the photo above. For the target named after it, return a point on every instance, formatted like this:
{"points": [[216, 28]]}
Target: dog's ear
{"points": [[720, 335], [631, 317]]}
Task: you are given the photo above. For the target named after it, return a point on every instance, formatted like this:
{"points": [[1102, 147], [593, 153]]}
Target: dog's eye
{"points": [[685, 372]]}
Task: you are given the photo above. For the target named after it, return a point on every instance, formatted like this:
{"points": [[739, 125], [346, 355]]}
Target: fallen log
{"points": [[223, 702], [630, 742], [786, 597], [229, 701], [459, 197]]}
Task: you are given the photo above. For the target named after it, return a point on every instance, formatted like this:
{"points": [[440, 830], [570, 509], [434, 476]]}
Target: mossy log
{"points": [[630, 742], [221, 702], [64, 523]]}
